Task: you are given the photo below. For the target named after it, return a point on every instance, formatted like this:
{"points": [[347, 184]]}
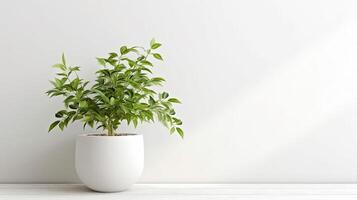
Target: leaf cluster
{"points": [[122, 91]]}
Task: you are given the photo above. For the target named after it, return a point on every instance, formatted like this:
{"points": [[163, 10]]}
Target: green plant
{"points": [[123, 91]]}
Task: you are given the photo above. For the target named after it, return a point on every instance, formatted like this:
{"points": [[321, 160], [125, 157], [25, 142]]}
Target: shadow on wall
{"points": [[233, 144], [319, 159]]}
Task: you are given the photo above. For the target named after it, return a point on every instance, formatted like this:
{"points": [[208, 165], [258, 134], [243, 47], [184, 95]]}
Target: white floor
{"points": [[184, 192]]}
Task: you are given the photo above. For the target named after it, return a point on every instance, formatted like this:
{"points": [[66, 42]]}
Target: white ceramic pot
{"points": [[109, 163]]}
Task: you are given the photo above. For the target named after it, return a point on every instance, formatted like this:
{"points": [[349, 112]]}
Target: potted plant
{"points": [[110, 160]]}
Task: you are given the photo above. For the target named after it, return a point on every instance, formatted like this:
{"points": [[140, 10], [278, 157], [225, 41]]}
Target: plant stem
{"points": [[110, 131], [110, 128]]}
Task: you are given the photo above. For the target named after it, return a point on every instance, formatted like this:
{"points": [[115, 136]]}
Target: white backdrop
{"points": [[268, 87]]}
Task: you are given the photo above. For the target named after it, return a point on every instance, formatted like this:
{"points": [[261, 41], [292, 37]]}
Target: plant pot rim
{"points": [[98, 135]]}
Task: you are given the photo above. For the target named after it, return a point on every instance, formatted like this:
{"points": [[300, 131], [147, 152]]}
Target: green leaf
{"points": [[75, 83], [58, 83], [148, 91], [91, 124], [145, 62], [101, 61], [112, 101], [104, 72], [180, 132], [140, 58], [113, 55], [123, 50], [59, 66], [73, 106], [62, 74], [128, 119], [84, 125], [157, 56], [133, 49], [177, 121], [152, 42], [101, 94], [63, 59], [174, 100], [146, 69], [68, 101], [172, 130], [60, 113], [135, 122], [61, 125], [53, 125], [164, 95], [68, 118], [119, 68], [100, 126], [131, 63], [54, 84], [83, 104], [74, 69], [172, 112], [155, 46], [151, 101], [156, 81]]}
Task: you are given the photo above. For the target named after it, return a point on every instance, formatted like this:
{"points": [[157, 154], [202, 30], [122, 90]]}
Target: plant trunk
{"points": [[110, 131]]}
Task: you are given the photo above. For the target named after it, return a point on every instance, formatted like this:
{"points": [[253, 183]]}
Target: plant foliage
{"points": [[123, 91]]}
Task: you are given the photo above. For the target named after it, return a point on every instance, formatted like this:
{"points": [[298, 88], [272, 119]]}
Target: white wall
{"points": [[269, 87]]}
